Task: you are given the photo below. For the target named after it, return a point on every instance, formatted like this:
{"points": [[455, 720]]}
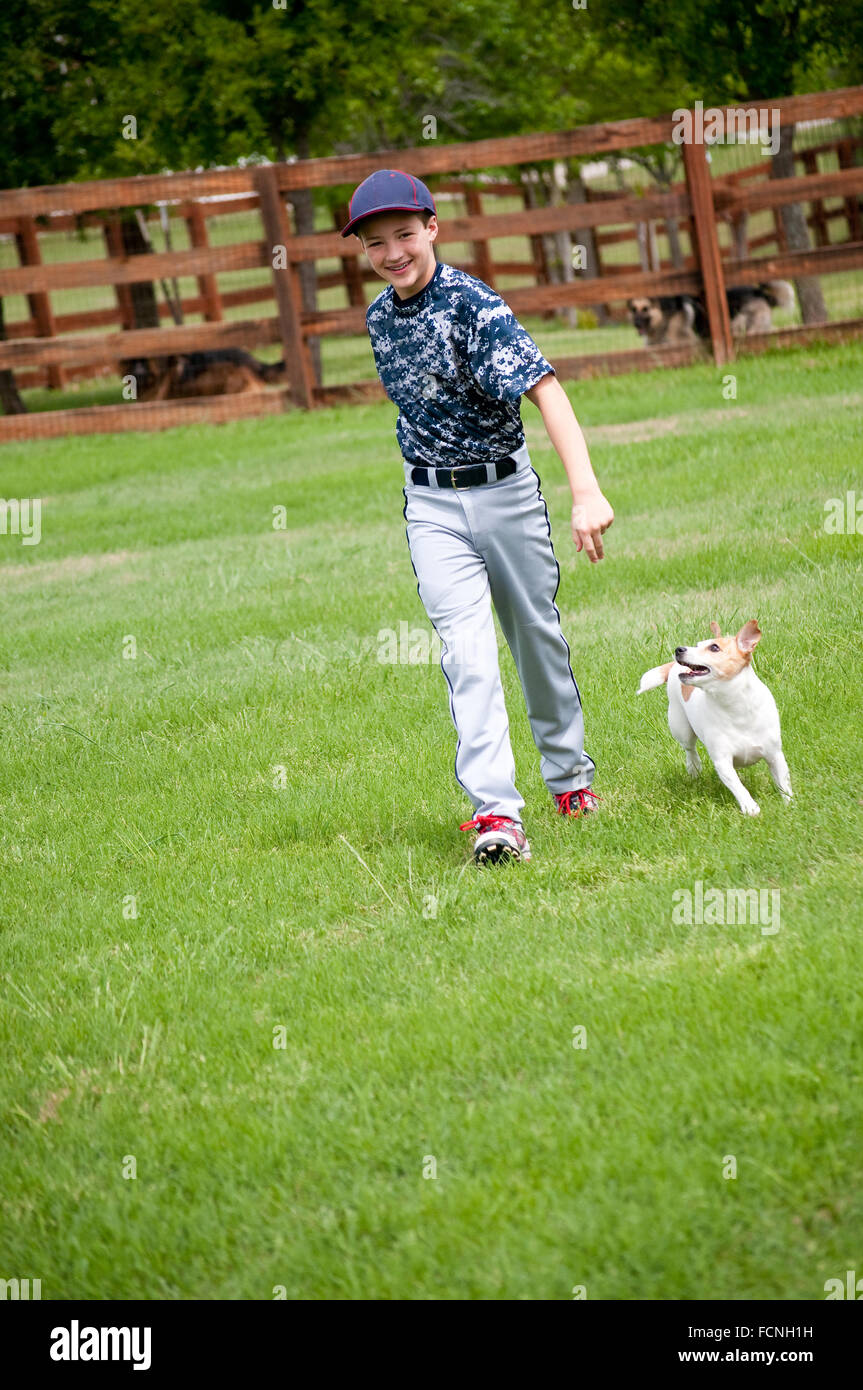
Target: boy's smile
{"points": [[400, 250]]}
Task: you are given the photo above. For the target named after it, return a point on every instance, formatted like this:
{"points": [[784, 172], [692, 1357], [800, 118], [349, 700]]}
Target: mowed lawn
{"points": [[338, 1059]]}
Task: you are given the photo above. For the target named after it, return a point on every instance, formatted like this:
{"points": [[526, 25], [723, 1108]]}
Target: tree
{"points": [[732, 51]]}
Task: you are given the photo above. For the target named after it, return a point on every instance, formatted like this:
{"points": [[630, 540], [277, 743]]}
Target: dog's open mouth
{"points": [[693, 670]]}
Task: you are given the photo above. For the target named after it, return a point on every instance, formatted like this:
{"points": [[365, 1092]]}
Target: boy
{"points": [[452, 356]]}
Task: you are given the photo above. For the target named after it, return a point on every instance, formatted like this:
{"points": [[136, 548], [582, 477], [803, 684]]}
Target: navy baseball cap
{"points": [[388, 190]]}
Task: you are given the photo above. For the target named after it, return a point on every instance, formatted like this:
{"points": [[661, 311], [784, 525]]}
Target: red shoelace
{"points": [[483, 823], [564, 802]]}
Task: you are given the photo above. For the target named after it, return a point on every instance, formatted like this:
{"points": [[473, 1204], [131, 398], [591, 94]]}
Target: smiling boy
{"points": [[456, 362]]}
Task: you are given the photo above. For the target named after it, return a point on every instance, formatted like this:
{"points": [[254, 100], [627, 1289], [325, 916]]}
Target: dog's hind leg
{"points": [[779, 772], [683, 732]]}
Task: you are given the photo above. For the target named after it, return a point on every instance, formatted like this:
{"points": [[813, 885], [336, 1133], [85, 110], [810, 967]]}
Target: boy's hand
{"points": [[591, 515]]}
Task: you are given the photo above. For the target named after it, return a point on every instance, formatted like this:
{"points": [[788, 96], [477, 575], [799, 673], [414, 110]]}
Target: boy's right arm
{"points": [[591, 511]]}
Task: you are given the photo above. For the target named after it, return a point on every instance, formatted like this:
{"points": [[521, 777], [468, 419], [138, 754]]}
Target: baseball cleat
{"points": [[585, 801], [498, 840]]}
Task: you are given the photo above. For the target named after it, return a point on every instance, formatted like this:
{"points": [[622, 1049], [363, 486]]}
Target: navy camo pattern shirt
{"points": [[456, 362]]}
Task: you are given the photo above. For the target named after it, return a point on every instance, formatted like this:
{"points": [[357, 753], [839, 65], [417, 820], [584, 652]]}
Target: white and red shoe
{"points": [[577, 803], [499, 838]]}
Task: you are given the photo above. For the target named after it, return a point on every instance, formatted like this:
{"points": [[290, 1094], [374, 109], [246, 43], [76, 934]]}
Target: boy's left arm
{"points": [[591, 512]]}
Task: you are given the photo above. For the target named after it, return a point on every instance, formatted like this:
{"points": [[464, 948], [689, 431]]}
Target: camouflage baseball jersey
{"points": [[456, 362]]}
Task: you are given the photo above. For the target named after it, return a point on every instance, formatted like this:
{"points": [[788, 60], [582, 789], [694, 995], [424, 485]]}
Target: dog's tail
{"points": [[778, 293], [658, 676], [272, 371]]}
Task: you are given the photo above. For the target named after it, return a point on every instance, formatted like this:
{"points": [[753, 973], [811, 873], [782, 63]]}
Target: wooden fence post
{"points": [[277, 232], [122, 293], [818, 220], [27, 242], [350, 264], [707, 249], [481, 251], [845, 155], [208, 289]]}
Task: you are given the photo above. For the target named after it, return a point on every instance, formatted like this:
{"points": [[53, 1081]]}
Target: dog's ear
{"points": [[716, 629], [749, 636]]}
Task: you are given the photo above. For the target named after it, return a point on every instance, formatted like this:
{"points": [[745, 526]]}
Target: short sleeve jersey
{"points": [[456, 362]]}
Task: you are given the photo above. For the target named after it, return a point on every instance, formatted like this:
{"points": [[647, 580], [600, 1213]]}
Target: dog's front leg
{"points": [[726, 773], [164, 387], [779, 772], [683, 732]]}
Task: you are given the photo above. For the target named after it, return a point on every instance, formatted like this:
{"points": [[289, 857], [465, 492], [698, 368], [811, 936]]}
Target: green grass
{"points": [[428, 1007]]}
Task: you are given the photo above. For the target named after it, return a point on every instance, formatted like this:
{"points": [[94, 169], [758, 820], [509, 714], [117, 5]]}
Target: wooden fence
{"points": [[353, 275], [68, 343]]}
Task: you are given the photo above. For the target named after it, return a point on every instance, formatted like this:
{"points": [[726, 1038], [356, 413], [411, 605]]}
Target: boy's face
{"points": [[399, 249]]}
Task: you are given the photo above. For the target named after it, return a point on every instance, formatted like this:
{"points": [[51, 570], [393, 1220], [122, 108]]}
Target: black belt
{"points": [[469, 475]]}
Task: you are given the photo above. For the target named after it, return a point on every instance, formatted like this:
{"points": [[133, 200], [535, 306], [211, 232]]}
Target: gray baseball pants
{"points": [[492, 544]]}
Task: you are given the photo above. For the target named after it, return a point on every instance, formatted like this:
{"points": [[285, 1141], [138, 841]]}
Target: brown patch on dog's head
{"points": [[729, 661], [718, 658], [735, 652]]}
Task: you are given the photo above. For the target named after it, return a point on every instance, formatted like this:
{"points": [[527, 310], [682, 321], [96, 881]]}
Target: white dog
{"points": [[714, 695]]}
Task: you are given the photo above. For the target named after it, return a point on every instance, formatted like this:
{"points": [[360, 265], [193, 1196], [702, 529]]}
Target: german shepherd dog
{"points": [[682, 318], [223, 372]]}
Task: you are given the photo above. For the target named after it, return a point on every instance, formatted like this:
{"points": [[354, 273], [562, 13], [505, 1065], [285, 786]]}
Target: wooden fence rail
{"points": [[59, 345]]}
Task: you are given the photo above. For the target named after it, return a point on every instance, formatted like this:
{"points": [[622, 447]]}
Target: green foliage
{"points": [[732, 50], [215, 81]]}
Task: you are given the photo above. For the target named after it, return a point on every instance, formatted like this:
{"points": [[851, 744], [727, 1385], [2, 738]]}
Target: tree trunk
{"points": [[548, 195], [584, 236], [144, 307], [537, 243], [653, 246], [304, 214], [542, 196], [675, 250], [662, 172], [10, 397], [812, 306], [664, 177], [559, 192]]}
